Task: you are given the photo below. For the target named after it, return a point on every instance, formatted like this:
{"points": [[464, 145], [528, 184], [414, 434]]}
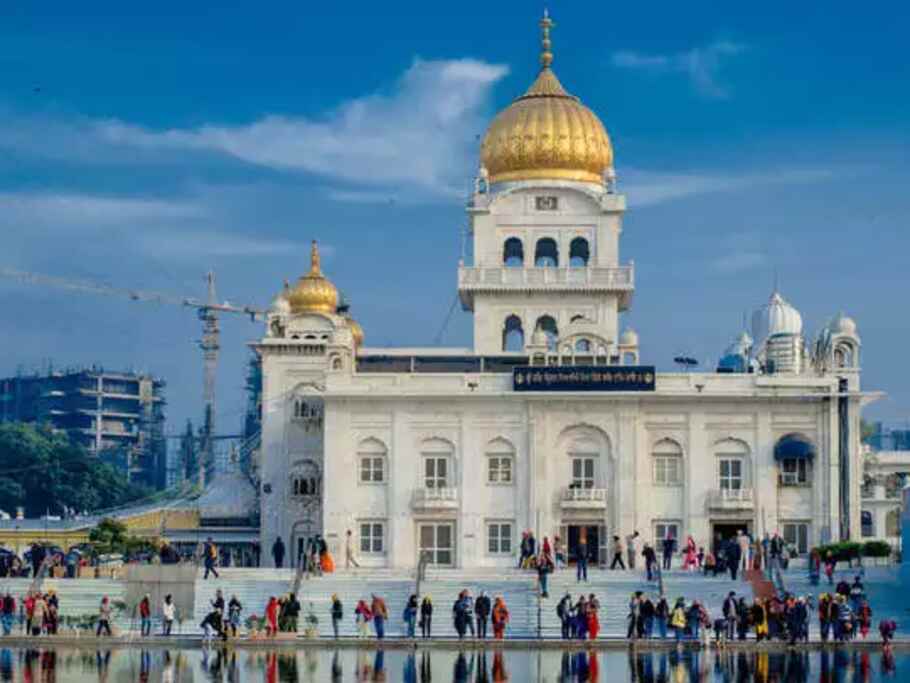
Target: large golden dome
{"points": [[546, 133], [313, 293]]}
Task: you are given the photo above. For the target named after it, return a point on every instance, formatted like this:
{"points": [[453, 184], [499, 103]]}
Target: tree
{"points": [[44, 472], [112, 536]]}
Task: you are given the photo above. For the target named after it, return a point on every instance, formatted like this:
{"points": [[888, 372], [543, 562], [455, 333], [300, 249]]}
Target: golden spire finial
{"points": [[546, 56], [315, 265]]}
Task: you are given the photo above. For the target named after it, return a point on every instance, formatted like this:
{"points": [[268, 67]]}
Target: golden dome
{"points": [[546, 133], [313, 292], [356, 332]]}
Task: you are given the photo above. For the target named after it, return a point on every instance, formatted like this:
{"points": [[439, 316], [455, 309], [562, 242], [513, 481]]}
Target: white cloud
{"points": [[700, 64], [420, 137], [645, 188], [67, 209]]}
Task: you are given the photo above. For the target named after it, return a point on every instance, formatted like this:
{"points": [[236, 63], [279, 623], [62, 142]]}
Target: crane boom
{"points": [[208, 312]]}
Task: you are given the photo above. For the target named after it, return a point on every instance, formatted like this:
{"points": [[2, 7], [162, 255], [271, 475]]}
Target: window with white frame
{"points": [[730, 474], [371, 461], [372, 537], [500, 462], [582, 472], [499, 538], [667, 456], [665, 528], [435, 472], [372, 469], [794, 472], [499, 469], [796, 536]]}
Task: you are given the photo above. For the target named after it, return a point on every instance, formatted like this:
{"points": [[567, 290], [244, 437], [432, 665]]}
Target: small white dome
{"points": [[629, 338], [843, 324], [741, 346], [280, 305], [775, 318]]}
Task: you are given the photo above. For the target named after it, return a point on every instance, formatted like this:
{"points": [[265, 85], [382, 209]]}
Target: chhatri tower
{"points": [[553, 421]]}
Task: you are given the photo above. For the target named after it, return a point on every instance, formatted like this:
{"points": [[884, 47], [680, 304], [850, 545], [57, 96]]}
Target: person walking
{"points": [[104, 617], [482, 609], [168, 614], [349, 558], [668, 546], [559, 553], [732, 554], [632, 548], [500, 618], [145, 615], [617, 553], [278, 552], [426, 617], [650, 558], [729, 612], [544, 568], [337, 614], [210, 557], [380, 615], [635, 630], [234, 611]]}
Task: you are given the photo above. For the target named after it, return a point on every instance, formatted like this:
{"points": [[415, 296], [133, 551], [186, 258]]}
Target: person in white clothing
{"points": [[742, 539], [168, 614], [632, 548]]}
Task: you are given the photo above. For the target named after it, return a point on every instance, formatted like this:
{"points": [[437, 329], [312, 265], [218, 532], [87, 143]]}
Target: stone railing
{"points": [[731, 499]]}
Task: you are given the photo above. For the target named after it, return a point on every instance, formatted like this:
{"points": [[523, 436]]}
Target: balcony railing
{"points": [[578, 498], [436, 498], [588, 278], [731, 499]]}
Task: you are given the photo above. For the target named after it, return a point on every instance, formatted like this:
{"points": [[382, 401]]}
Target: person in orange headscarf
{"points": [[271, 616], [500, 618]]}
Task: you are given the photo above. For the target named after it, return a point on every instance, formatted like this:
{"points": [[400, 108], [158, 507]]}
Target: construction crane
{"points": [[208, 312]]}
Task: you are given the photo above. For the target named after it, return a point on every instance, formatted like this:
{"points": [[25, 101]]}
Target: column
{"points": [[625, 451], [764, 474], [701, 478]]}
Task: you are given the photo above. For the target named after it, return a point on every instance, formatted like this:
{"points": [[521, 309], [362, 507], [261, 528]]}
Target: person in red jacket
{"points": [[271, 616], [145, 615]]}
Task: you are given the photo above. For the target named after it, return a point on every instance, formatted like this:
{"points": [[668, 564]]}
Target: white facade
{"points": [[433, 450]]}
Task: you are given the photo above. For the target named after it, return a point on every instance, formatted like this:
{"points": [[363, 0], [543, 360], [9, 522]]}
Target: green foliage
{"points": [[111, 536], [44, 471], [851, 550], [876, 549]]}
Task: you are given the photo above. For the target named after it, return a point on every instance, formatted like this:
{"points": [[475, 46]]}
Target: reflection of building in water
{"points": [[550, 421]]}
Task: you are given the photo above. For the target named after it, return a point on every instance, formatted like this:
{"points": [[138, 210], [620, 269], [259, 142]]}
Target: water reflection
{"points": [[229, 665]]}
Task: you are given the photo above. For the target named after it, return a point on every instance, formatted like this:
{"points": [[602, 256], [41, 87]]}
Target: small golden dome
{"points": [[356, 332], [313, 293], [546, 133]]}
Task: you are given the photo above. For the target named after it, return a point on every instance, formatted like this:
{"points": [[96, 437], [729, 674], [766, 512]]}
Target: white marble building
{"points": [[439, 450]]}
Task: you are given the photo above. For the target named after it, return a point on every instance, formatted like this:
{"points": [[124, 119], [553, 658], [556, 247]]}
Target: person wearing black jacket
{"points": [[650, 556], [733, 555], [564, 612], [337, 613], [426, 617], [278, 552], [729, 610], [292, 612], [482, 608], [668, 546]]}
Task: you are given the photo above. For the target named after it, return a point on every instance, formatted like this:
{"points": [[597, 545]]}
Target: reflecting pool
{"points": [[77, 665]]}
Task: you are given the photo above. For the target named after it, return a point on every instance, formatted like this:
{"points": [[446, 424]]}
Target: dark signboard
{"points": [[584, 378]]}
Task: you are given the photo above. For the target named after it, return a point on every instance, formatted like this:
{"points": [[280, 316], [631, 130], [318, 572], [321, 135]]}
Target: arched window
{"points": [[513, 253], [867, 522], [582, 346], [371, 461], [513, 336], [437, 456], [500, 463], [305, 479], [546, 253], [668, 463], [844, 356], [547, 324], [579, 253], [588, 450]]}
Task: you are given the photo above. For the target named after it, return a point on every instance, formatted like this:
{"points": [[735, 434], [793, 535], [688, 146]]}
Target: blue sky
{"points": [[141, 149]]}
